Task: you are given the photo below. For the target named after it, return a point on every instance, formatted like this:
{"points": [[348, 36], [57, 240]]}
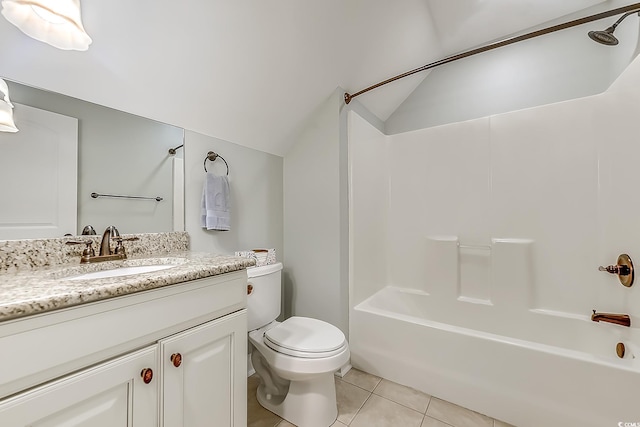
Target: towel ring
{"points": [[213, 156]]}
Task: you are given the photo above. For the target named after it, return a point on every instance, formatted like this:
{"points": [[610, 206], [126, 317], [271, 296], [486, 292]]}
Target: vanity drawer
{"points": [[40, 348]]}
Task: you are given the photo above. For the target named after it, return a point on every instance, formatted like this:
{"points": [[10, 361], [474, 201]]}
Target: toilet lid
{"points": [[305, 335]]}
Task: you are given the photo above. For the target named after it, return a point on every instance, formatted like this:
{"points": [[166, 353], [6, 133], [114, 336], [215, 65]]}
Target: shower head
{"points": [[606, 37]]}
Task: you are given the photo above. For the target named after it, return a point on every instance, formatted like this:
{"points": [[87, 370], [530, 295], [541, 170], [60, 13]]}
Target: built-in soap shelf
{"points": [[499, 273], [474, 281]]}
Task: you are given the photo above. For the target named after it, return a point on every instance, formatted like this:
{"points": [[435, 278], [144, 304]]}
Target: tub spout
{"points": [[617, 319]]}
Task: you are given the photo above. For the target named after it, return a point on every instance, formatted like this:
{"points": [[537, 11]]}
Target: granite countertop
{"points": [[41, 290]]}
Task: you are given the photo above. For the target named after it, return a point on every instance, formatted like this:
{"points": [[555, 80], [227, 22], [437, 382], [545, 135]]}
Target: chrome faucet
{"points": [[616, 319], [110, 233]]}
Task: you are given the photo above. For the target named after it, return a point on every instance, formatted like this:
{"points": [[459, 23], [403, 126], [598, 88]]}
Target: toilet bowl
{"points": [[295, 359]]}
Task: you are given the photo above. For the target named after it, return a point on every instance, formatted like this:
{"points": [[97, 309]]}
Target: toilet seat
{"points": [[306, 338]]}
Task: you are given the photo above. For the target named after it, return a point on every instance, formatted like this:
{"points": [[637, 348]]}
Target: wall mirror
{"points": [[117, 154]]}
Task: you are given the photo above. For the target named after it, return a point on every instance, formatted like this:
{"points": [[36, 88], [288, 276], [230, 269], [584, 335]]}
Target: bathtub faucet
{"points": [[617, 319]]}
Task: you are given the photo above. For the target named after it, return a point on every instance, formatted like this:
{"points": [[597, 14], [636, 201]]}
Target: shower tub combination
{"points": [[475, 325], [559, 371]]}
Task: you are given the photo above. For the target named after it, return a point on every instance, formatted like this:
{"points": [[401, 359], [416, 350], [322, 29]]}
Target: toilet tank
{"points": [[263, 303]]}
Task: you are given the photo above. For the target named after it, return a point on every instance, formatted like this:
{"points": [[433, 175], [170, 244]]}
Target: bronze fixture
{"points": [[88, 253], [88, 230], [176, 359], [102, 258], [110, 233], [119, 249], [147, 375], [173, 151], [624, 270], [213, 156], [96, 195], [630, 8], [106, 254], [620, 350], [616, 319], [606, 37], [249, 289]]}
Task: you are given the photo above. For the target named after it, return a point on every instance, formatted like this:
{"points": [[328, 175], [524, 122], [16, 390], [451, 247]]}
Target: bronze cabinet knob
{"points": [[176, 359], [249, 289], [147, 375]]}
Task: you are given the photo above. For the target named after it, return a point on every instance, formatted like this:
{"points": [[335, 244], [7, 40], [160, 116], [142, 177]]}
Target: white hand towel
{"points": [[216, 203]]}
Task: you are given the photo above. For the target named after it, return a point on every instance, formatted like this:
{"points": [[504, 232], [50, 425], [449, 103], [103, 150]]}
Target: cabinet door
{"points": [[209, 385], [112, 394]]}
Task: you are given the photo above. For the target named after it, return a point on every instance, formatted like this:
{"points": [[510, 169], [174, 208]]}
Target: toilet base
{"points": [[310, 403]]}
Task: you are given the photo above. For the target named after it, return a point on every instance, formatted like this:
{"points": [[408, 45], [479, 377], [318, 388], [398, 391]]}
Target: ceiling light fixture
{"points": [[6, 110], [56, 22]]}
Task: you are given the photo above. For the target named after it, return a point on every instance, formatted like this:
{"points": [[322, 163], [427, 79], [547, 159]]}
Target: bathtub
{"points": [[530, 368]]}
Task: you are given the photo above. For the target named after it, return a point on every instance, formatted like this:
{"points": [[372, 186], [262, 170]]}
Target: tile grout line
{"points": [[373, 392], [397, 403], [437, 419], [360, 387], [363, 403], [427, 410], [360, 408], [444, 422], [402, 404], [428, 404]]}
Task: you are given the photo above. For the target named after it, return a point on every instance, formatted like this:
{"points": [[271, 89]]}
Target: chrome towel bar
{"points": [[96, 195]]}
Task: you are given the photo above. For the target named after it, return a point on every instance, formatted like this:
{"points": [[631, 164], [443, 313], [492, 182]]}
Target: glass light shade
{"points": [[56, 22], [6, 110], [6, 118]]}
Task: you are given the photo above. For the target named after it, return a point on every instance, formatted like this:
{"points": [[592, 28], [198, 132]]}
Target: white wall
{"points": [[256, 183], [312, 219], [553, 183], [368, 209], [226, 64], [560, 66]]}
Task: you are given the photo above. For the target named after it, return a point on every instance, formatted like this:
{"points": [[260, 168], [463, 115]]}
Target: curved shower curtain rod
{"points": [[635, 7]]}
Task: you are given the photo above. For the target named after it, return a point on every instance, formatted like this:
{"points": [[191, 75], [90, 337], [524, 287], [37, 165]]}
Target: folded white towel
{"points": [[216, 203]]}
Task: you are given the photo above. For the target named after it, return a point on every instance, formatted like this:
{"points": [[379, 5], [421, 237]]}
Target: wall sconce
{"points": [[6, 110], [56, 22]]}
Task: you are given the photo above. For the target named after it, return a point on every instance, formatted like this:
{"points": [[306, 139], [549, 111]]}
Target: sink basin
{"points": [[118, 272]]}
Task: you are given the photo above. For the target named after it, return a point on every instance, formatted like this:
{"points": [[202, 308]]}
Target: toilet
{"points": [[295, 359]]}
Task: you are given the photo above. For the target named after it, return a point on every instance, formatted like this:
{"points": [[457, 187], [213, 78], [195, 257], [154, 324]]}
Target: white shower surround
{"points": [[474, 250]]}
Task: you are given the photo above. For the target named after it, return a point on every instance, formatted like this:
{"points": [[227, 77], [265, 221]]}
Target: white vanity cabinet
{"points": [[85, 365], [199, 371], [108, 395]]}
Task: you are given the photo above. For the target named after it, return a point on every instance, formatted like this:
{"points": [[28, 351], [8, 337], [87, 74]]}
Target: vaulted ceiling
{"points": [[252, 71]]}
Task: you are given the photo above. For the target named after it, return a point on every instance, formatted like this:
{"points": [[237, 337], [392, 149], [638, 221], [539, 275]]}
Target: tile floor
{"points": [[365, 400]]}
